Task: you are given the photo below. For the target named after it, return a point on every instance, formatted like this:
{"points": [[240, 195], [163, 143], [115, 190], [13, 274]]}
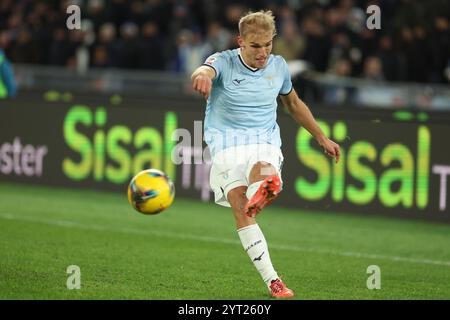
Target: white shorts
{"points": [[231, 167]]}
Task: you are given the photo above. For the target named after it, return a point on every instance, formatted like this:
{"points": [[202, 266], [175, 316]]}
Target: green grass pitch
{"points": [[191, 251]]}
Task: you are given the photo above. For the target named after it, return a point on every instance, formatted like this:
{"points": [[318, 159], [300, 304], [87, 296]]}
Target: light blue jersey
{"points": [[242, 106]]}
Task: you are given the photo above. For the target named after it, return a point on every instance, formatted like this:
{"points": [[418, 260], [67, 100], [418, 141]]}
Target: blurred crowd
{"points": [[413, 43]]}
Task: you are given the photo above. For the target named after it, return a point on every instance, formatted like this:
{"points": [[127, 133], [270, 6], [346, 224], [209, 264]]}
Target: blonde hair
{"points": [[255, 22]]}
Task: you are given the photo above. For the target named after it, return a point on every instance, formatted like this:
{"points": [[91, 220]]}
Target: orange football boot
{"points": [[279, 289], [267, 192]]}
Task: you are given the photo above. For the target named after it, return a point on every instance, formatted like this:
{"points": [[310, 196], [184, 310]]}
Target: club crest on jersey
{"points": [[211, 59], [270, 78]]}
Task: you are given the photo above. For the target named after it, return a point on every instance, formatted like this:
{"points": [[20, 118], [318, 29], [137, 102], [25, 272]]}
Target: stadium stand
{"points": [[413, 44]]}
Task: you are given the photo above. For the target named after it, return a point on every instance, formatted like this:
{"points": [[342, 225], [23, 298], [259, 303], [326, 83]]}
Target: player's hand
{"points": [[203, 84], [331, 149]]}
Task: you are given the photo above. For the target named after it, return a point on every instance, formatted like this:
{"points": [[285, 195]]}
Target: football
{"points": [[150, 191]]}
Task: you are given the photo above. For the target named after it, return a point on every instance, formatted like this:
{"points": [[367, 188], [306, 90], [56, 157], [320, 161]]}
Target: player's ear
{"points": [[240, 41]]}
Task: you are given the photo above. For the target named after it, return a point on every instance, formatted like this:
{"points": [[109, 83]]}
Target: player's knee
{"points": [[262, 168]]}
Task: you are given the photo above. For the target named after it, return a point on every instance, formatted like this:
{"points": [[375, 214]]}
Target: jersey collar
{"points": [[243, 62]]}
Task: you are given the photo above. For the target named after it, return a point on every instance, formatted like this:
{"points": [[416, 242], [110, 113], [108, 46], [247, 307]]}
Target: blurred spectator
{"points": [[373, 69], [76, 49], [82, 41], [422, 54], [137, 12], [339, 93], [7, 82], [100, 57], [191, 51], [447, 71], [106, 41], [60, 48], [218, 37], [96, 13], [231, 15], [341, 67], [151, 49], [340, 48], [356, 19], [25, 49], [367, 44], [440, 50], [416, 61], [393, 66], [318, 44], [290, 43], [180, 20], [116, 11], [129, 46], [334, 20]]}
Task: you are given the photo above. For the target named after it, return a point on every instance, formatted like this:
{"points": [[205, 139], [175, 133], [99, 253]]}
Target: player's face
{"points": [[256, 48]]}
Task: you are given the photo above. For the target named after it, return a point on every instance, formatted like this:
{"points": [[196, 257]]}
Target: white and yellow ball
{"points": [[151, 191]]}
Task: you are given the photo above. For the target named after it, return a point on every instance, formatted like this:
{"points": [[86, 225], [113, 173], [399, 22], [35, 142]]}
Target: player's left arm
{"points": [[301, 113]]}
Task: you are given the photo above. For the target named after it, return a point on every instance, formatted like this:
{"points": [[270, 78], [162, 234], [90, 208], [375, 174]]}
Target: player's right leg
{"points": [[264, 177], [237, 199], [265, 185]]}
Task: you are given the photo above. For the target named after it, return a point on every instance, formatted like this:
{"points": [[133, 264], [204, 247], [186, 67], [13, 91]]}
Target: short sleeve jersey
{"points": [[241, 108]]}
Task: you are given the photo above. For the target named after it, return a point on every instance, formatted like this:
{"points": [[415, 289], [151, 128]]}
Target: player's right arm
{"points": [[202, 80]]}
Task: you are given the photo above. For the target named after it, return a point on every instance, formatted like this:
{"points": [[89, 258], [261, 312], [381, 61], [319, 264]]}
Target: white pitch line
{"points": [[77, 225]]}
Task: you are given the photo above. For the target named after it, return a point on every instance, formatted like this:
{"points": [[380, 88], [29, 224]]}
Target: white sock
{"points": [[256, 247], [251, 190]]}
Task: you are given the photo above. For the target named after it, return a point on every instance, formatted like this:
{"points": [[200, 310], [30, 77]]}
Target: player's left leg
{"points": [[237, 199], [264, 186], [255, 243]]}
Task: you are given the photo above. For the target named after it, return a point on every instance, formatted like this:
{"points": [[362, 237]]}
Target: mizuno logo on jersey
{"points": [[238, 81]]}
